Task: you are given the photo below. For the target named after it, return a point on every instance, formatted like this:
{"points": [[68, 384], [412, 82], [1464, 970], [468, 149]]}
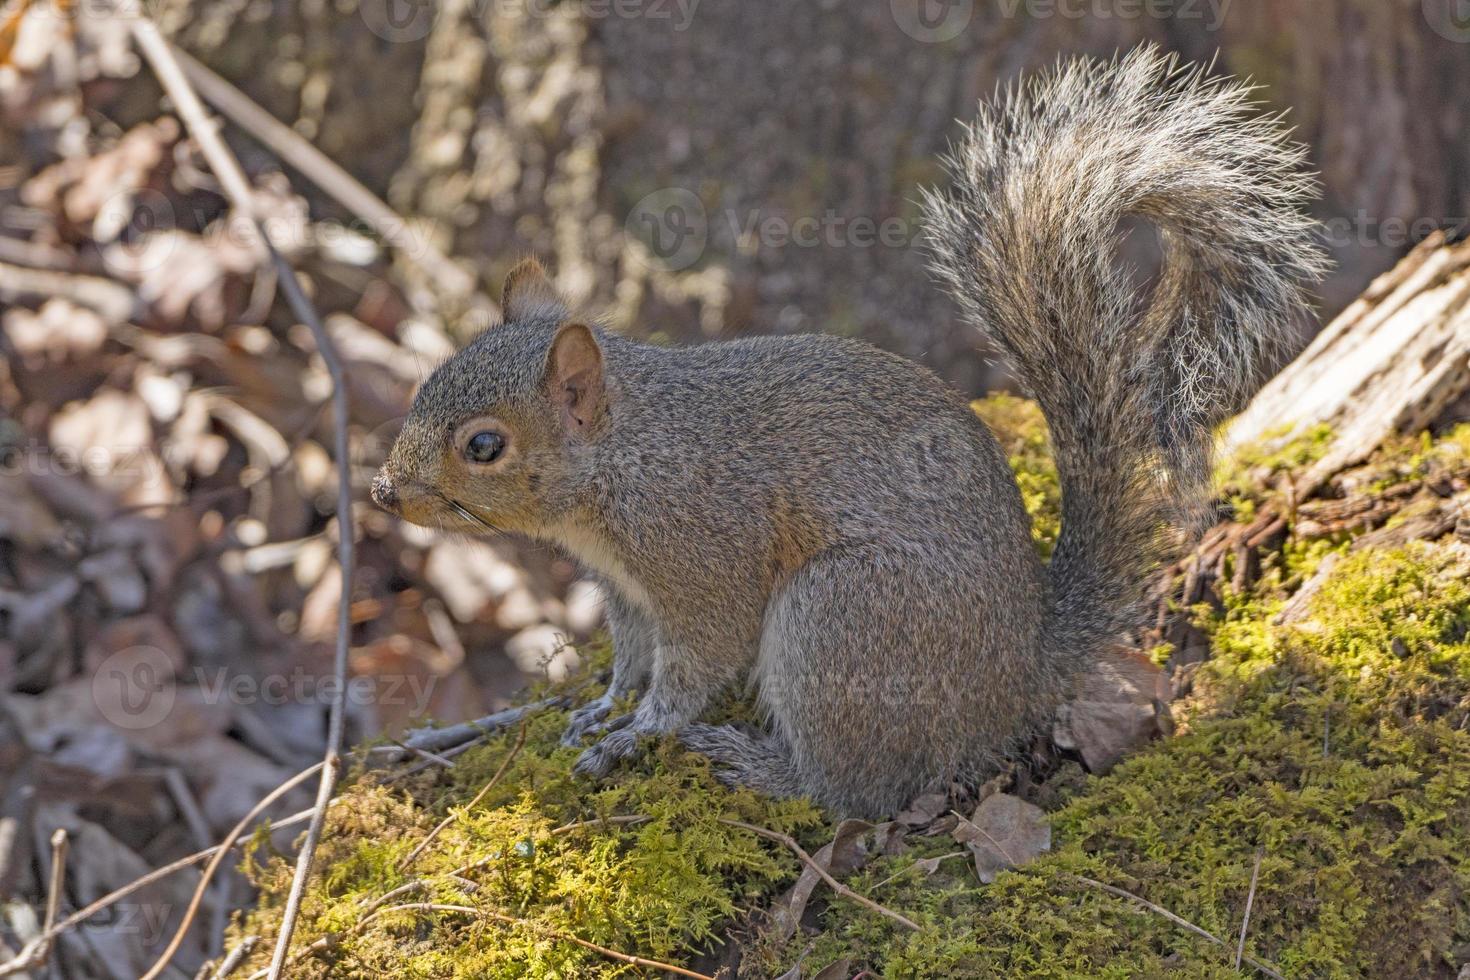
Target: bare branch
{"points": [[825, 875], [165, 65], [214, 862], [327, 175]]}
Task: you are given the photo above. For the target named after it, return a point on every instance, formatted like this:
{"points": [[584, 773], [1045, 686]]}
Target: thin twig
{"points": [[237, 956], [35, 952], [375, 908], [437, 760], [58, 877], [609, 953], [1250, 899], [1178, 921], [214, 862], [515, 751], [546, 930], [333, 938], [918, 864], [441, 740], [826, 876], [25, 959], [178, 788], [328, 176], [227, 169], [628, 821], [109, 299]]}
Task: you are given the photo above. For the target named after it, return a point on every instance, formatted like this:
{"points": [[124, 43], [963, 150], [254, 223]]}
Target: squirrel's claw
{"points": [[587, 720], [615, 746]]}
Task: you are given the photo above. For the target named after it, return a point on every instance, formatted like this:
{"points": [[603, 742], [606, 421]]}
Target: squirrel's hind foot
{"points": [[618, 744]]}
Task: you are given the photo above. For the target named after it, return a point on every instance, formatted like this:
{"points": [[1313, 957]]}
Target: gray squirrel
{"points": [[830, 523]]}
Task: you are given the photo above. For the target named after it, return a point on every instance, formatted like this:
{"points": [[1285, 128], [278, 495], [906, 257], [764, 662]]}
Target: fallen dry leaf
{"points": [[854, 844], [1004, 832], [924, 809], [1120, 705], [838, 969]]}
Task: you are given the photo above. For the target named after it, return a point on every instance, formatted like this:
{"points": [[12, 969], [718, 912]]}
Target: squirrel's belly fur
{"points": [[829, 522]]}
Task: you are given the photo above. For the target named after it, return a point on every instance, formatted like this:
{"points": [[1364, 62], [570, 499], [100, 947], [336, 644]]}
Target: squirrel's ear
{"points": [[574, 378], [529, 293]]}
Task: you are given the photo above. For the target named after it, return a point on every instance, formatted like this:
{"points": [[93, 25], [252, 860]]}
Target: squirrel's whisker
{"points": [[470, 515]]}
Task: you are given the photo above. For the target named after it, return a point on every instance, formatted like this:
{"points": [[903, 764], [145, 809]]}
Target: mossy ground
{"points": [[1335, 749]]}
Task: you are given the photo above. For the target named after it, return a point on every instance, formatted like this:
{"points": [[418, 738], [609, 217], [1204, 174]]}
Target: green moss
{"points": [[1021, 430], [1419, 457], [1249, 476], [661, 888], [1336, 748]]}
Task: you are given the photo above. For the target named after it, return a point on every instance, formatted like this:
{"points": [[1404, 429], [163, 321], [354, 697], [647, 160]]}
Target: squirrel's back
{"points": [[847, 441]]}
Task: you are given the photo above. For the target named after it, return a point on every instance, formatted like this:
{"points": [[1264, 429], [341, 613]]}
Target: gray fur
{"points": [[1026, 239], [829, 523]]}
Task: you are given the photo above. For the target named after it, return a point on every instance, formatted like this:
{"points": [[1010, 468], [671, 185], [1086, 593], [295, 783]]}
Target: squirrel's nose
{"points": [[384, 492]]}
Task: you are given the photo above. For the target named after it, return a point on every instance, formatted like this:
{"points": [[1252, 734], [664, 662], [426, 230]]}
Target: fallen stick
{"points": [[822, 872], [327, 175], [1177, 920], [226, 168], [214, 862]]}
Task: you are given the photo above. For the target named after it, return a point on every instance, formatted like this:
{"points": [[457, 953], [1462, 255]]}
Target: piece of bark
{"points": [[1390, 363]]}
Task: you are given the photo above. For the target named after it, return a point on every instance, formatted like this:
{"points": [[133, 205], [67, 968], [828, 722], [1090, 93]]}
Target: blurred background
{"points": [[691, 170]]}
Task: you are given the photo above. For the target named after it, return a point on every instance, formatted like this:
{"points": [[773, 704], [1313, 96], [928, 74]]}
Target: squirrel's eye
{"points": [[484, 447]]}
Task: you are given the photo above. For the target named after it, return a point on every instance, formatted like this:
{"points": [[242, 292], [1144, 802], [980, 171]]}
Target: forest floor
{"points": [[168, 590], [1307, 815]]}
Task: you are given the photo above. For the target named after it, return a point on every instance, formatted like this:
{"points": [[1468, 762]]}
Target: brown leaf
{"points": [[844, 854], [838, 969], [924, 809], [1118, 707], [1004, 832]]}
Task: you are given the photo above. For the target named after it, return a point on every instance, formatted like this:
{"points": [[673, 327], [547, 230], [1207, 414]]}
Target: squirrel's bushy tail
{"points": [[1132, 387]]}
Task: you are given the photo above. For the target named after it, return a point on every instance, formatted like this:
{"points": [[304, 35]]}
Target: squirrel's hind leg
{"points": [[760, 761], [874, 669]]}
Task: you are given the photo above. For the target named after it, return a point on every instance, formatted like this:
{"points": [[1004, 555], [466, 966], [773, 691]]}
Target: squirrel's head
{"points": [[493, 437]]}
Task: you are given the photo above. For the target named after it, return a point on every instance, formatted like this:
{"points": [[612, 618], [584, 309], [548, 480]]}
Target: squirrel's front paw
{"points": [[599, 759], [587, 720]]}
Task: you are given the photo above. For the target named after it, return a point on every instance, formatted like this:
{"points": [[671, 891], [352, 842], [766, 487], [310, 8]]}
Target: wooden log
{"points": [[1390, 363]]}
